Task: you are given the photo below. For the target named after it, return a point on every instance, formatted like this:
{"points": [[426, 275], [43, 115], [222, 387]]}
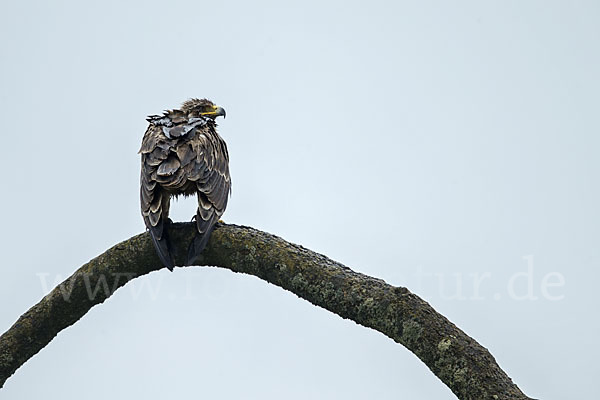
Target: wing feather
{"points": [[213, 184], [169, 167], [153, 199]]}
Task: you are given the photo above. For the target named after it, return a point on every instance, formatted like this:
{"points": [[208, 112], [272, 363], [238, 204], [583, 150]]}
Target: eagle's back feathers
{"points": [[183, 155]]}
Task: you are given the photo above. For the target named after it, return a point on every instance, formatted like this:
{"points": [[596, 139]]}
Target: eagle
{"points": [[182, 154]]}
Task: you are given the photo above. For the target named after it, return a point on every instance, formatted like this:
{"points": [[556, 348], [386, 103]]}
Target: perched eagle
{"points": [[182, 154]]}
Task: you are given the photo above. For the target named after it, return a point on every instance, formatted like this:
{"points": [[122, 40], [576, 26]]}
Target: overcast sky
{"points": [[449, 147]]}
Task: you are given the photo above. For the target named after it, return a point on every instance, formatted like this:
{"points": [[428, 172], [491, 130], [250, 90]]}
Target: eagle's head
{"points": [[202, 108]]}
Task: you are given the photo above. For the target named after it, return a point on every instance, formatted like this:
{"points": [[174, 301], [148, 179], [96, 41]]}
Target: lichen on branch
{"points": [[466, 367]]}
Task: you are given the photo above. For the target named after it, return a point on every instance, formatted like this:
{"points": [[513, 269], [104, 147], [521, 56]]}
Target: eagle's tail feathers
{"points": [[163, 246]]}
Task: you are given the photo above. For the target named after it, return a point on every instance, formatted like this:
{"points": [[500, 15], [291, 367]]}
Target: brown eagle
{"points": [[182, 154]]}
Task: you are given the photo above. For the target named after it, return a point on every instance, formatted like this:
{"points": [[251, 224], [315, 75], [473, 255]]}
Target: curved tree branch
{"points": [[466, 367]]}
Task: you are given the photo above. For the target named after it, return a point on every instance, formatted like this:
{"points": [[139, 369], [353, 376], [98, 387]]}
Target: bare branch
{"points": [[466, 367]]}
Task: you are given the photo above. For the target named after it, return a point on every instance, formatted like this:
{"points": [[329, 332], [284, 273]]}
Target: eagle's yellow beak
{"points": [[215, 112]]}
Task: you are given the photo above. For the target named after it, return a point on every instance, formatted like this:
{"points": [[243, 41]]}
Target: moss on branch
{"points": [[466, 367]]}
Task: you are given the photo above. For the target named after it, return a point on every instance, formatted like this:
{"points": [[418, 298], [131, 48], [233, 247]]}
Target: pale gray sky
{"points": [[432, 144]]}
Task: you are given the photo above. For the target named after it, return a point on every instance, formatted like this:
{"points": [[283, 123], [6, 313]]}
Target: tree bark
{"points": [[465, 366]]}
